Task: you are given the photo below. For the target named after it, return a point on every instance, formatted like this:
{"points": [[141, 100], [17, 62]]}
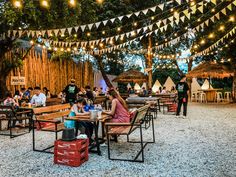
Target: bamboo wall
{"points": [[38, 70]]}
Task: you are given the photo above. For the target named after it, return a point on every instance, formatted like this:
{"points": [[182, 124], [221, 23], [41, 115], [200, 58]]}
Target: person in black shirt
{"points": [[71, 91], [89, 93], [182, 89]]}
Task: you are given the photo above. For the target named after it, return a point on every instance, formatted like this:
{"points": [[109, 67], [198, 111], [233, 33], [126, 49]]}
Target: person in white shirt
{"points": [[39, 98], [164, 90]]}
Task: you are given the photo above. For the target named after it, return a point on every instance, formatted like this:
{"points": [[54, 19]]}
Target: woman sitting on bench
{"points": [[119, 108]]}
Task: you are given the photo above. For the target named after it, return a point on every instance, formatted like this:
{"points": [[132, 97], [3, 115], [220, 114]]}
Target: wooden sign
{"points": [[17, 80]]}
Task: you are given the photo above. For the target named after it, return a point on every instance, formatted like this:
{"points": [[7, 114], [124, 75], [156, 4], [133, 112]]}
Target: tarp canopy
{"points": [[128, 86], [195, 85], [156, 86], [169, 84], [100, 82], [137, 87], [206, 85], [144, 85]]}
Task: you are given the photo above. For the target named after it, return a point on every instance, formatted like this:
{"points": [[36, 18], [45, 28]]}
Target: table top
{"points": [[87, 118], [209, 90]]}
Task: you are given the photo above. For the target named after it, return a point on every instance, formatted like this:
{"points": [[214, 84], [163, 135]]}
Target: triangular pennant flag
{"points": [[145, 29], [194, 9], [172, 24], [153, 9], [202, 25], [178, 1], [213, 1], [158, 24], [104, 22], [171, 19], [63, 31], [90, 26], [145, 11], [164, 21], [229, 7], [223, 11], [197, 28], [117, 37], [83, 27], [165, 27], [161, 29], [120, 18], [200, 9], [177, 21], [20, 33], [69, 30], [207, 22], [97, 24], [234, 2], [213, 19], [161, 6], [182, 18], [185, 12], [76, 29], [139, 30], [112, 20], [43, 32], [217, 15], [14, 33], [129, 15], [137, 14], [188, 15], [150, 27]]}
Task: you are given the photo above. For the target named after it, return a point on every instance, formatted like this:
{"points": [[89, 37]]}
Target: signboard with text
{"points": [[17, 80]]}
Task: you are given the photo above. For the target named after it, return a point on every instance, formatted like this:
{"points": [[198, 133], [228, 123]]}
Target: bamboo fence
{"points": [[38, 70]]}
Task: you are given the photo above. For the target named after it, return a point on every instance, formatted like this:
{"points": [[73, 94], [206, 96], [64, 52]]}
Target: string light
{"points": [[99, 1], [213, 10], [75, 35], [88, 34], [72, 3], [103, 32], [55, 49], [221, 28], [152, 17], [203, 41], [75, 49], [31, 42], [101, 45], [92, 47], [231, 19], [68, 49], [135, 23], [44, 3], [17, 4], [118, 29], [211, 35], [62, 49]]}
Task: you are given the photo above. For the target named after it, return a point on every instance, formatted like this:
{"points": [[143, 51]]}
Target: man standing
{"points": [[182, 89], [38, 99], [89, 93], [71, 91]]}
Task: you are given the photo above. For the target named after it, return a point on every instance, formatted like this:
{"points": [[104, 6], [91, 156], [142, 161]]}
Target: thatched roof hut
{"points": [[211, 69], [131, 75]]}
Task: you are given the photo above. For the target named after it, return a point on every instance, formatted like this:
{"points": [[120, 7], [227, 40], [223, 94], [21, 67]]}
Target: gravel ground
{"points": [[202, 145]]}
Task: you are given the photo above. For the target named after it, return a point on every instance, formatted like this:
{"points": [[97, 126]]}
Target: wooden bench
{"points": [[52, 115], [10, 114], [117, 129]]}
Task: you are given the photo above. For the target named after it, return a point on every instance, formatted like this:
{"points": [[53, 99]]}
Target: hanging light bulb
{"points": [[135, 23], [211, 35], [32, 42], [231, 18], [118, 29], [222, 27], [99, 1], [75, 49], [62, 49], [88, 34], [103, 32], [44, 3], [72, 3], [55, 49], [17, 4]]}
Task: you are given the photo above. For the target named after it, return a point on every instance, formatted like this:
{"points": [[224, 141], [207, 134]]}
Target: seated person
{"points": [[38, 99], [9, 101], [119, 108], [83, 127], [164, 90]]}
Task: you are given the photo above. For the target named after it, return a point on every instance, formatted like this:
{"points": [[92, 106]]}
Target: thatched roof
{"points": [[211, 69], [131, 76]]}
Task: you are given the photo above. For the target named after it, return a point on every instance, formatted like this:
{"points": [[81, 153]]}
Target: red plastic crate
{"points": [[73, 162], [172, 108], [71, 145], [71, 154]]}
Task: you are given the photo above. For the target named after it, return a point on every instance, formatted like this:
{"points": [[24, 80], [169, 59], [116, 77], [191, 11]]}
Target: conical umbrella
{"points": [[131, 75]]}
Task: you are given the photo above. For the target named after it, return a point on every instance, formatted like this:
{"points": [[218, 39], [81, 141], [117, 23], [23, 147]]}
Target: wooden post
{"points": [[149, 62]]}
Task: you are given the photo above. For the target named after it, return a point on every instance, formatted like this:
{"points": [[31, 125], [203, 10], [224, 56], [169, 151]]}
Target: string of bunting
{"points": [[173, 19], [125, 35]]}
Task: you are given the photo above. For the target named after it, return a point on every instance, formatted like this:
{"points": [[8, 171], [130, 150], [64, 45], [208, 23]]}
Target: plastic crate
{"points": [[73, 162], [71, 145], [71, 154], [172, 107]]}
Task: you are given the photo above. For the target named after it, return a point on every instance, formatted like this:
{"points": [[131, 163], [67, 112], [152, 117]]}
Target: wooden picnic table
{"points": [[95, 122]]}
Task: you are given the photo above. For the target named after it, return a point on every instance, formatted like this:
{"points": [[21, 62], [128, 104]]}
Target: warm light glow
{"points": [[88, 34], [31, 42], [44, 3], [195, 46], [55, 49], [39, 45], [135, 24], [231, 19], [212, 10], [221, 28], [103, 32], [17, 4], [75, 48], [99, 1], [171, 9], [111, 42], [49, 48], [192, 3], [118, 29], [175, 34], [226, 45], [44, 47], [122, 38], [211, 35], [152, 18], [68, 49], [62, 35], [92, 47], [199, 20], [133, 34], [72, 3], [229, 59], [203, 41], [101, 44], [75, 35], [62, 49], [176, 13]]}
